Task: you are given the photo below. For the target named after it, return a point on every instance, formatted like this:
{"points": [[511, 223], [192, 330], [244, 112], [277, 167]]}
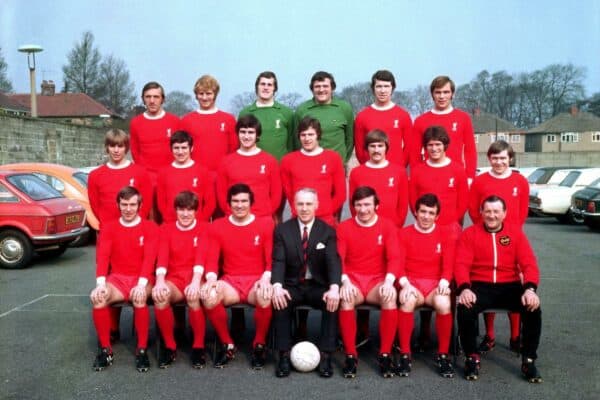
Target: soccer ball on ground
{"points": [[305, 356]]}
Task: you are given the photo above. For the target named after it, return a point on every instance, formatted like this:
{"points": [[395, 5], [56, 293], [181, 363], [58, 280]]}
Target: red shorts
{"points": [[180, 279], [425, 286], [365, 282], [242, 284], [124, 283]]}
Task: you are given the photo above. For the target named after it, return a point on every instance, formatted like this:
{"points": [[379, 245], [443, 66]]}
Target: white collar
{"points": [[444, 163], [262, 105], [211, 111], [185, 228], [187, 164], [245, 223], [135, 222], [419, 229], [252, 152], [504, 175], [315, 152], [157, 116], [308, 226], [443, 112], [370, 224], [382, 165], [123, 165], [388, 106]]}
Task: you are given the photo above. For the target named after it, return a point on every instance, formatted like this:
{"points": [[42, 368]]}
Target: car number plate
{"points": [[72, 219]]}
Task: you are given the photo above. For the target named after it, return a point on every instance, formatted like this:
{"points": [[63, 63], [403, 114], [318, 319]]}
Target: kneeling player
{"points": [[427, 253], [125, 257], [244, 243], [368, 247], [181, 256]]}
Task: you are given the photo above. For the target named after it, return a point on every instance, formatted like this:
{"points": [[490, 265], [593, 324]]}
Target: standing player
{"points": [[105, 182], [213, 130], [384, 115], [426, 262], [368, 247], [335, 115], [180, 265], [496, 267], [315, 167], [276, 119], [456, 122], [387, 178], [150, 131], [184, 174], [513, 188], [125, 259], [243, 242], [252, 166]]}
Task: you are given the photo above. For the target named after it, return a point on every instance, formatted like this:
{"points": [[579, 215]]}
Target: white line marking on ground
{"points": [[18, 308]]}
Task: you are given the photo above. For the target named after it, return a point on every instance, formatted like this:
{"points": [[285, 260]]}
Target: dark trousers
{"points": [[307, 293], [500, 295]]}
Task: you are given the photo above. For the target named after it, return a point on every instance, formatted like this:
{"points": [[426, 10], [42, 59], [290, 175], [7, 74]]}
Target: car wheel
{"points": [[569, 218], [52, 253], [16, 249]]}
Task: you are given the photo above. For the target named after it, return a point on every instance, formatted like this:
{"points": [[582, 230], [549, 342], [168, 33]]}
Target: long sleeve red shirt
{"points": [[426, 255], [181, 249]]}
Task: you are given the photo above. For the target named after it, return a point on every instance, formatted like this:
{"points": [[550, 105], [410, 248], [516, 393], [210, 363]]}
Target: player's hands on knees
{"points": [[467, 298], [99, 294], [160, 292], [209, 289], [387, 291], [443, 288], [280, 298], [348, 291], [530, 300], [332, 298], [192, 291], [264, 289], [138, 294], [407, 293]]}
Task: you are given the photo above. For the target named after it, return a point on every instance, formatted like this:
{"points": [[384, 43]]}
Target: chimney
{"points": [[574, 110], [48, 88]]}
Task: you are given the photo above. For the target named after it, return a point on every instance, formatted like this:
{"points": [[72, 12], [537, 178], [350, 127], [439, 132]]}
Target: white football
{"points": [[305, 356]]}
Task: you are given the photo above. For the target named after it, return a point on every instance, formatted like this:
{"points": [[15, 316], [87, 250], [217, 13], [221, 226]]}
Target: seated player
{"points": [[184, 174], [243, 242], [125, 256], [426, 262], [180, 265], [490, 257], [368, 247]]}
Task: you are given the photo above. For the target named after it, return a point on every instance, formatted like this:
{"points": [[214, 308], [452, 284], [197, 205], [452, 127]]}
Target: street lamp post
{"points": [[31, 49]]}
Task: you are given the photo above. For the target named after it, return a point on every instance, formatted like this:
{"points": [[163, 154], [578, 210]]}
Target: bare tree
{"points": [[291, 99], [5, 83], [240, 101], [179, 103], [81, 73], [117, 90], [421, 100], [358, 95]]}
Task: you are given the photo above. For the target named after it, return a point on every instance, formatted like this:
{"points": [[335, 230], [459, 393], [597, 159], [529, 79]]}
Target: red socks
{"points": [[218, 318], [262, 320], [141, 320], [166, 323], [443, 327], [406, 323], [102, 318], [198, 325], [489, 324], [515, 325], [388, 322], [347, 322]]}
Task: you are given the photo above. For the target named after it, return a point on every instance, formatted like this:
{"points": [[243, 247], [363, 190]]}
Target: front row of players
{"points": [[367, 261]]}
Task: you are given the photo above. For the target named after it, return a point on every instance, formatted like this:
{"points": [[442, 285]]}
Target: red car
{"points": [[34, 217]]}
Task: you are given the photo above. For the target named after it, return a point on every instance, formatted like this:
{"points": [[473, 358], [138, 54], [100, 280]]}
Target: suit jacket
{"points": [[288, 258]]}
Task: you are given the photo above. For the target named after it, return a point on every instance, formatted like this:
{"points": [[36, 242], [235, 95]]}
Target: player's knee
{"points": [[441, 304]]}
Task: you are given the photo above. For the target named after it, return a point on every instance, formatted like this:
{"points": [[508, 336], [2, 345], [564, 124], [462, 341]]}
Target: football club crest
{"points": [[396, 122], [141, 241], [257, 240], [391, 182], [222, 126], [515, 191], [324, 168], [195, 182], [263, 168], [277, 124], [195, 241], [454, 126], [168, 132], [504, 240], [451, 182], [380, 240], [438, 248], [132, 182]]}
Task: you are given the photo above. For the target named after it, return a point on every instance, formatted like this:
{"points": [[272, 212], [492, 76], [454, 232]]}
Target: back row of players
{"points": [[204, 164]]}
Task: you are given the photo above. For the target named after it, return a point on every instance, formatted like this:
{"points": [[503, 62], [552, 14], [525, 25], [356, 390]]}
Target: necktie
{"points": [[304, 253]]}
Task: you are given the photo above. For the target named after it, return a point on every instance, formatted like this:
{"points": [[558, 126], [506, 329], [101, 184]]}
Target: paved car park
{"points": [[47, 342]]}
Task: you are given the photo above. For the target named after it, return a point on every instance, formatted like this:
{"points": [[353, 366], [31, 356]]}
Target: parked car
{"points": [[545, 176], [71, 182], [585, 204], [526, 171], [556, 200], [34, 217]]}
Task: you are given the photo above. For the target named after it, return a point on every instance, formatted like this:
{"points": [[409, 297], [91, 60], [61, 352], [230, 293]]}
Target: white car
{"points": [[555, 200]]}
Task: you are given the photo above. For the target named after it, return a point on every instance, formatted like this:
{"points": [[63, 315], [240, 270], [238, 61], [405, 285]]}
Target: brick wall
{"points": [[38, 140]]}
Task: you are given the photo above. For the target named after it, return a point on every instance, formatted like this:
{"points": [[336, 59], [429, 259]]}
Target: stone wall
{"points": [[556, 159], [38, 140]]}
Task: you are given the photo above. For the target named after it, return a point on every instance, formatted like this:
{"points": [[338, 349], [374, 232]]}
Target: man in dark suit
{"points": [[306, 269]]}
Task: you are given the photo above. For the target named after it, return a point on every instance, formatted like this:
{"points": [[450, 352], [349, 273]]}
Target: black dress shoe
{"points": [[284, 365], [325, 368]]}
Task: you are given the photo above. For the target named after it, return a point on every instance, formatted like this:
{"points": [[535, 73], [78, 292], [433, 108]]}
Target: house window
{"points": [[569, 137], [515, 138], [501, 136], [550, 138], [595, 136]]}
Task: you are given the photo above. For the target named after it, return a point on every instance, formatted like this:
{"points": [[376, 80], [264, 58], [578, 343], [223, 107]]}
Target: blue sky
{"points": [[176, 41]]}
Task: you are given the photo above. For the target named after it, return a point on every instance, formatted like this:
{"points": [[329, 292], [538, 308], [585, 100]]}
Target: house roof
{"points": [[484, 122], [6, 103], [63, 105], [577, 121]]}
